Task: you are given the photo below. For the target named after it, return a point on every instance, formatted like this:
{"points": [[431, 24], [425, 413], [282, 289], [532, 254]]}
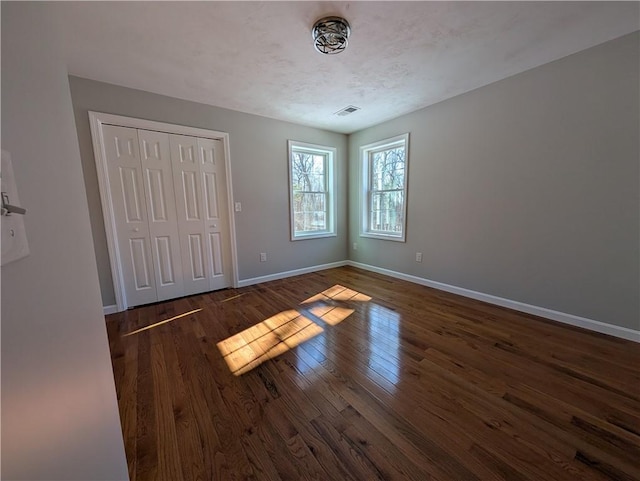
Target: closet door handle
{"points": [[213, 226]]}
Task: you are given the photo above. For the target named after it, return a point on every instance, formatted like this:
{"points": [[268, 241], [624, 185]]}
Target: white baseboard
{"points": [[112, 309], [256, 280], [284, 275], [604, 328], [590, 324]]}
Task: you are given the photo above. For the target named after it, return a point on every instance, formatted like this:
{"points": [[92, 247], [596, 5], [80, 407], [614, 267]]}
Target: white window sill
{"points": [[381, 236], [319, 235]]}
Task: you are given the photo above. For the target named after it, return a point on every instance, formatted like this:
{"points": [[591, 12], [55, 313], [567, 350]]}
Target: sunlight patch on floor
{"points": [[248, 349], [161, 322], [232, 297], [324, 303], [266, 340]]}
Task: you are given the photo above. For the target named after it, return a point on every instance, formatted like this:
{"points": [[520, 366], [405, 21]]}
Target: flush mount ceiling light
{"points": [[330, 35]]}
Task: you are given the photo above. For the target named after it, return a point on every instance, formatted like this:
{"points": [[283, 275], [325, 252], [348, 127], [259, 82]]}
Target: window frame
{"points": [[330, 154], [366, 152]]}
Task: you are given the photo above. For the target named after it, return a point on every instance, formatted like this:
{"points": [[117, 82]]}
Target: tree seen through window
{"points": [[384, 172], [311, 190], [387, 190]]}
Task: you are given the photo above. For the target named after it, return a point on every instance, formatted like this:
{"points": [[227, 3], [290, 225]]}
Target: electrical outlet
{"points": [[263, 257], [418, 256], [355, 246]]}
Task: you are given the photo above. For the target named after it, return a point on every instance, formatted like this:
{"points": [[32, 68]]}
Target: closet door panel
{"points": [[129, 182], [191, 196], [211, 195], [130, 212], [191, 209], [161, 205], [166, 262], [198, 269], [216, 211], [215, 243], [142, 276], [157, 198]]}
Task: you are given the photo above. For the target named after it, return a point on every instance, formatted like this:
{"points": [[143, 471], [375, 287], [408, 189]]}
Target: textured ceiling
{"points": [[258, 57]]}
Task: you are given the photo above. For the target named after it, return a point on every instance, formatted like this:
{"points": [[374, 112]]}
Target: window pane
{"points": [[384, 182], [387, 169], [311, 190], [308, 172], [386, 213], [309, 212]]}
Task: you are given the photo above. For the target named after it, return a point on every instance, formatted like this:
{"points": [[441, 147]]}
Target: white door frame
{"points": [[96, 121]]}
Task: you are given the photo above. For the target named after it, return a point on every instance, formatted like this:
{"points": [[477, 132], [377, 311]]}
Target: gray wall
{"points": [[59, 410], [526, 189], [258, 148]]}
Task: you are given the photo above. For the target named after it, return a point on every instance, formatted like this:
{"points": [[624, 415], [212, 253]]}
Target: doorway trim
{"points": [[96, 121]]}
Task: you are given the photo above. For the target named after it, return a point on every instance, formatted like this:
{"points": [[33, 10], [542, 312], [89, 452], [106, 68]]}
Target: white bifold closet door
{"points": [[142, 195], [200, 185], [168, 194]]}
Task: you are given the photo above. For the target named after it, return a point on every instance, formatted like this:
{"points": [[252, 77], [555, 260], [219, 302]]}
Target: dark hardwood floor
{"points": [[391, 380]]}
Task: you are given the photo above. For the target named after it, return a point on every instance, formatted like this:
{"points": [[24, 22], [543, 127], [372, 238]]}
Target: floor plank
{"points": [[401, 382]]}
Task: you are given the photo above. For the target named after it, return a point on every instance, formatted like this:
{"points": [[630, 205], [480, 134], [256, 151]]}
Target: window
{"points": [[384, 188], [311, 190]]}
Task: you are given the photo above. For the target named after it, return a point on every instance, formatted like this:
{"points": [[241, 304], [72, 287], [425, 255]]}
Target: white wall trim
{"points": [[590, 324], [135, 123], [285, 274], [112, 309]]}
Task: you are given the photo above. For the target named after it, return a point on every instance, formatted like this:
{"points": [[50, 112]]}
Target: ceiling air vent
{"points": [[347, 110]]}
